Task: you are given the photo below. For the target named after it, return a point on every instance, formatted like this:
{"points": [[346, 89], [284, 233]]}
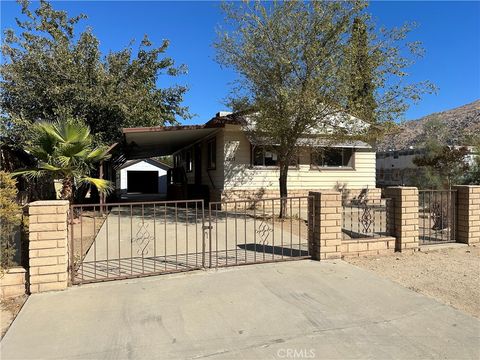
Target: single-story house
{"points": [[220, 158], [143, 176]]}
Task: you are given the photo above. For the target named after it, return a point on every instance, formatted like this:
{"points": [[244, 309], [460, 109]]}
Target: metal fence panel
{"points": [[437, 216], [125, 240]]}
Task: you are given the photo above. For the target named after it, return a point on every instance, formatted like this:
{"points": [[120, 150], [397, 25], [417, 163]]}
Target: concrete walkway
{"points": [[272, 311]]}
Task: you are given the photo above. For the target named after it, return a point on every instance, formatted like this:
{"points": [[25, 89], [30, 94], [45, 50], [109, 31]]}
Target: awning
{"points": [[159, 141]]}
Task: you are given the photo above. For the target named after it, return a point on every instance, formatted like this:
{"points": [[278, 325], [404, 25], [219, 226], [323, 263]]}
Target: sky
{"points": [[449, 31]]}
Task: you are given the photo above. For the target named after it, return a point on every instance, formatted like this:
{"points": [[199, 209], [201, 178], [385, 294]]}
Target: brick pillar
{"points": [[48, 249], [468, 214], [325, 232], [405, 216]]}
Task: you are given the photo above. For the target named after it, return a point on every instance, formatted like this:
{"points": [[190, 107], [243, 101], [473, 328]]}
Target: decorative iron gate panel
{"points": [[252, 231], [437, 216], [126, 240]]}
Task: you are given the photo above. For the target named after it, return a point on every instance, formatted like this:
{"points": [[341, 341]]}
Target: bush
{"points": [[10, 219]]}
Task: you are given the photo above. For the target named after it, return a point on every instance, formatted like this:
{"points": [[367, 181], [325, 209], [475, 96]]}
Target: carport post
{"points": [[325, 224]]}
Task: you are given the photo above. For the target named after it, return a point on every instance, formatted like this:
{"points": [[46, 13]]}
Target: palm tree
{"points": [[64, 150]]}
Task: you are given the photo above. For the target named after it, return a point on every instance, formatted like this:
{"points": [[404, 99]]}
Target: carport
{"points": [[146, 142]]}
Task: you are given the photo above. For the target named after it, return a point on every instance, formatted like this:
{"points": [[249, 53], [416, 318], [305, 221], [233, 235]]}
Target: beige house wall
{"points": [[235, 178], [240, 176]]}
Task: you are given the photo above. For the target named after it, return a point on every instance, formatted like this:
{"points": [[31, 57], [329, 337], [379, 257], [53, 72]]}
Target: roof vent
{"points": [[223, 113]]}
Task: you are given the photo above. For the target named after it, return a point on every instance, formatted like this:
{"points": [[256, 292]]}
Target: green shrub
{"points": [[10, 219]]}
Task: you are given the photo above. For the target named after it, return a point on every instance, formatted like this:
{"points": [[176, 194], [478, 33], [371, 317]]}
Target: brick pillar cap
{"points": [[401, 187], [325, 192], [467, 186], [49, 203]]}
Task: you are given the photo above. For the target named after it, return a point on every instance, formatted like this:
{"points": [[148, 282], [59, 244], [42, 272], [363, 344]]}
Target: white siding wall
{"points": [[239, 175], [122, 185]]}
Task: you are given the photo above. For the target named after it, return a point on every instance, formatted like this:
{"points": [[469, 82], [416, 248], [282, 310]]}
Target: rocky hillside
{"points": [[461, 121]]}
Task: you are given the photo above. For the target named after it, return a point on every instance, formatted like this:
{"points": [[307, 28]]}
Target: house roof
{"points": [[153, 162], [142, 142]]}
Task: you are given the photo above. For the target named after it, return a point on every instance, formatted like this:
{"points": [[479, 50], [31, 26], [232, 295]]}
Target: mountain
{"points": [[460, 122]]}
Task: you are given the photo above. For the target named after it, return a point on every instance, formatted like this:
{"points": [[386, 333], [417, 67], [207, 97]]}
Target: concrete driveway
{"points": [[300, 309]]}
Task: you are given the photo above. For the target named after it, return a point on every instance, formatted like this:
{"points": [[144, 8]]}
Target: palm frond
{"points": [[49, 131], [30, 173], [49, 167], [103, 186], [74, 131], [98, 154]]}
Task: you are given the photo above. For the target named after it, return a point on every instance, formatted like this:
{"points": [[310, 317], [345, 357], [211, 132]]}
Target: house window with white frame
{"points": [[267, 157], [332, 158]]}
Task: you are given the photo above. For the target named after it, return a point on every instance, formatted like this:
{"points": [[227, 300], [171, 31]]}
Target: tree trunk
{"points": [[67, 189], [283, 188]]}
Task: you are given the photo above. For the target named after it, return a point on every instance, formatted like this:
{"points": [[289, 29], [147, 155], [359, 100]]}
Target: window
{"points": [[262, 156], [211, 154], [188, 161], [177, 161], [332, 157]]}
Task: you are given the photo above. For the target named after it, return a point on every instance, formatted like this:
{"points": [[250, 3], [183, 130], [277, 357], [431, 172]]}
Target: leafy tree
{"points": [[10, 218], [361, 97], [50, 71], [298, 63], [442, 165], [472, 177], [448, 162], [64, 150]]}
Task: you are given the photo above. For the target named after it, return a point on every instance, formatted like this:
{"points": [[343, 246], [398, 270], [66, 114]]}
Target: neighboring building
{"points": [[146, 176], [219, 158], [396, 167]]}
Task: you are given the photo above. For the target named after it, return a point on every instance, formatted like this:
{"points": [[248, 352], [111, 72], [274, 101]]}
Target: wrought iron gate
{"points": [[252, 231], [437, 216], [127, 240]]}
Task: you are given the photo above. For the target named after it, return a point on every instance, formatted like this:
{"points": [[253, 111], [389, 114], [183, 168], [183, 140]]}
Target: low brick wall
{"points": [[12, 283], [246, 198], [368, 247], [256, 194]]}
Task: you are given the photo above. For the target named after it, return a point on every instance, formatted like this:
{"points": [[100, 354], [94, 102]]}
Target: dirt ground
{"points": [[9, 308], [450, 275]]}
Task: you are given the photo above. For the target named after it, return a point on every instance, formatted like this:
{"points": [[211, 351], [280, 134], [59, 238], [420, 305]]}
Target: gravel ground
{"points": [[450, 275], [9, 309]]}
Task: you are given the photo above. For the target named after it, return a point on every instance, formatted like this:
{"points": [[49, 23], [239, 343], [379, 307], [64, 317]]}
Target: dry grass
{"points": [[9, 309], [84, 231]]}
